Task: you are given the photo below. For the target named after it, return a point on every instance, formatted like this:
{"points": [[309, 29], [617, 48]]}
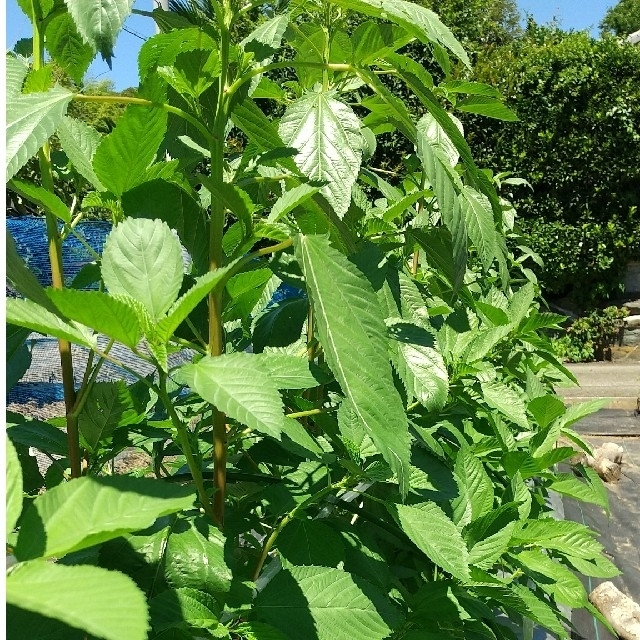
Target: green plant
{"points": [[382, 443], [590, 337], [622, 19]]}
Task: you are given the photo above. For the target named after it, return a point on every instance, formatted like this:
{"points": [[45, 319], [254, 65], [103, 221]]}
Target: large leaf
{"points": [[25, 313], [123, 157], [41, 197], [99, 22], [326, 133], [503, 398], [100, 508], [101, 312], [476, 488], [32, 119], [480, 225], [109, 405], [142, 259], [435, 535], [66, 46], [419, 21], [352, 332], [310, 542], [327, 604], [60, 592], [14, 486], [80, 141]]}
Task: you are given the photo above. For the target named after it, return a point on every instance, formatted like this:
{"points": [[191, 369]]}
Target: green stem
{"points": [[316, 497], [183, 440], [304, 414], [57, 274], [148, 103]]}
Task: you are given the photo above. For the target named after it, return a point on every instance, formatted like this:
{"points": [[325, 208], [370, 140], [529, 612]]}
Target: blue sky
{"points": [[571, 14]]}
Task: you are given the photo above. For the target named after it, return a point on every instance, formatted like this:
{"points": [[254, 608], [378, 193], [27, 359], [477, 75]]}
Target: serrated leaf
{"points": [[540, 611], [32, 119], [476, 488], [101, 312], [14, 486], [291, 199], [327, 604], [190, 300], [101, 508], [288, 372], [435, 535], [326, 133], [351, 330], [181, 608], [99, 22], [258, 631], [310, 542], [485, 553], [503, 398], [67, 47], [591, 490], [576, 412], [480, 226], [109, 405], [15, 73], [33, 433], [142, 259], [545, 409], [122, 158], [373, 40], [26, 313], [59, 592], [419, 21], [487, 106], [264, 41], [80, 141]]}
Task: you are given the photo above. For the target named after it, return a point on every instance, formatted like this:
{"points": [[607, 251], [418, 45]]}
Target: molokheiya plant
{"points": [[369, 459]]}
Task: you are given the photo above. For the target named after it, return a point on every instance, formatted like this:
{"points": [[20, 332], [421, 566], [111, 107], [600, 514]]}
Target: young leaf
{"points": [[352, 332], [327, 604], [66, 46], [32, 119], [419, 21], [122, 158], [102, 508], [99, 22], [142, 259], [14, 486], [25, 313], [80, 141], [435, 535], [59, 592], [327, 135]]}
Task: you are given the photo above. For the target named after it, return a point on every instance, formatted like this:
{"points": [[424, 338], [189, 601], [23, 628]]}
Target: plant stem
{"points": [[57, 274], [316, 497]]}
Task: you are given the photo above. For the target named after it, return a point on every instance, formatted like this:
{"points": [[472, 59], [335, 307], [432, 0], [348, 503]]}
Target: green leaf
{"points": [[66, 46], [487, 106], [14, 487], [258, 631], [540, 611], [327, 135], [546, 409], [80, 141], [195, 558], [122, 158], [592, 490], [480, 227], [503, 398], [476, 488], [41, 197], [32, 119], [142, 259], [327, 604], [109, 405], [101, 508], [485, 553], [419, 364], [565, 587], [372, 40], [99, 22], [264, 41], [471, 88], [60, 592], [246, 290], [102, 313], [281, 324], [16, 72], [237, 385], [33, 433], [192, 72], [435, 535], [351, 330], [25, 313], [183, 608], [291, 199], [576, 412], [18, 355], [186, 303], [287, 371], [306, 542], [419, 21]]}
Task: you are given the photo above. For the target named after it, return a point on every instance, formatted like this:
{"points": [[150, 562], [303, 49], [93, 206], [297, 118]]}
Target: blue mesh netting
{"points": [[42, 384]]}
